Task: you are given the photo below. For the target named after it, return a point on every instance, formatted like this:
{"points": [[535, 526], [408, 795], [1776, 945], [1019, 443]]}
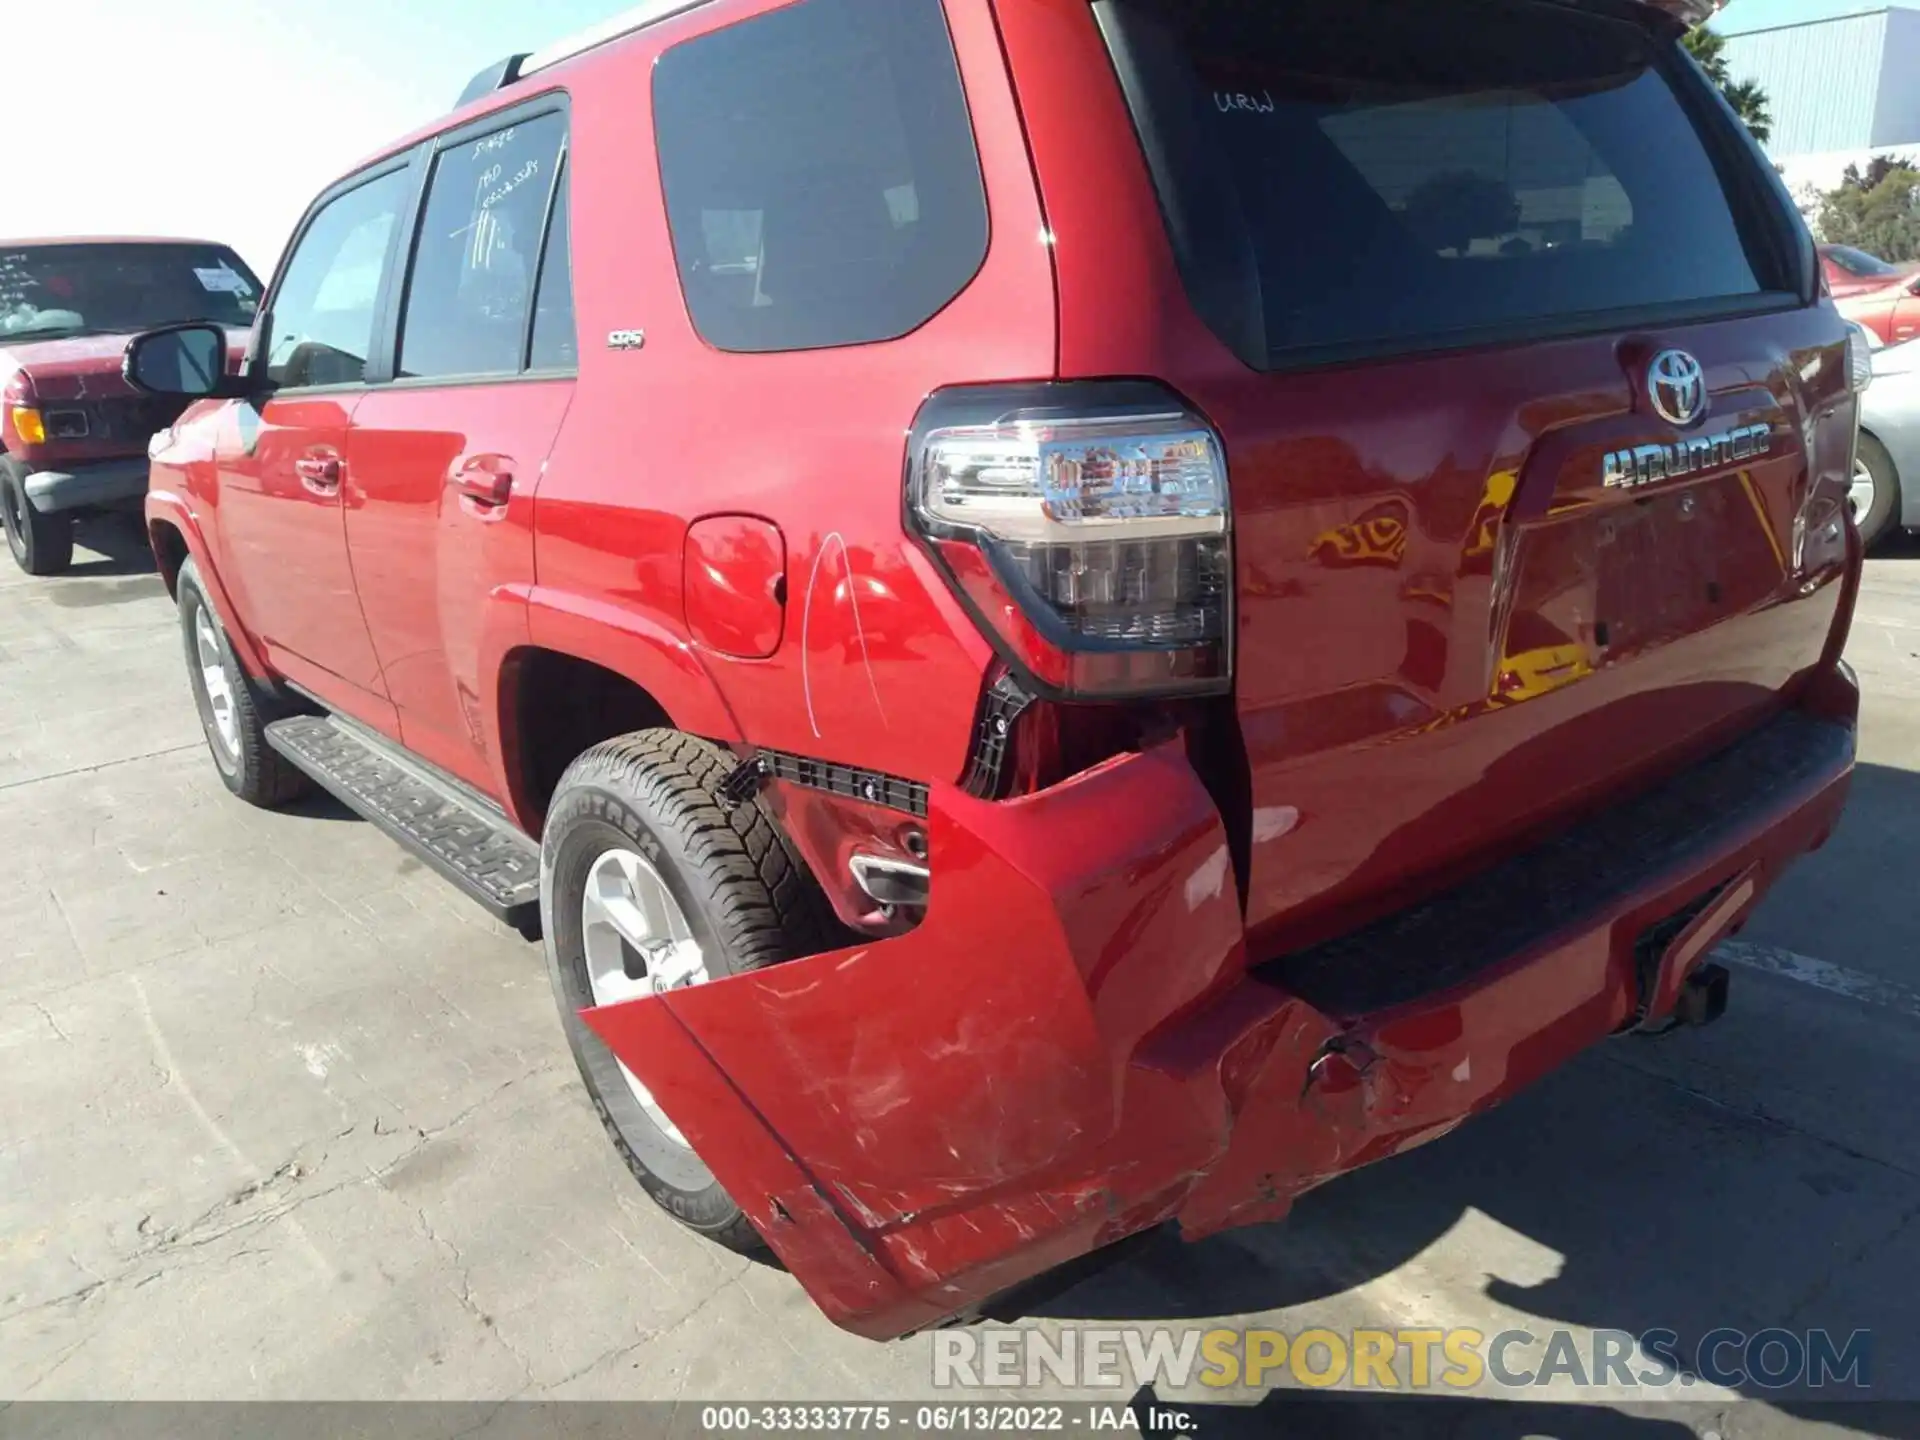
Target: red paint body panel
{"points": [[1075, 1013], [874, 636], [174, 510], [1891, 312], [436, 569], [1843, 283], [736, 585], [83, 371], [1423, 544], [283, 548], [1453, 640]]}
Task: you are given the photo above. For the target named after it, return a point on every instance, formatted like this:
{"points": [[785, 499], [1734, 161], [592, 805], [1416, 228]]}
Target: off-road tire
{"points": [[40, 544], [1886, 491], [254, 770], [747, 898]]}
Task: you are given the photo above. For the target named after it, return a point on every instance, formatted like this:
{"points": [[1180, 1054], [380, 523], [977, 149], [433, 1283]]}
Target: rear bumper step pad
{"points": [[1564, 882]]}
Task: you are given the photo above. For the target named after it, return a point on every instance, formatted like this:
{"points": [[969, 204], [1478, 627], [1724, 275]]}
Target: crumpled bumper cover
{"points": [[1072, 1047]]}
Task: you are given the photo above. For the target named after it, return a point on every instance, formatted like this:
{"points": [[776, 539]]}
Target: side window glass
{"points": [[323, 311], [554, 344], [471, 291], [820, 174]]}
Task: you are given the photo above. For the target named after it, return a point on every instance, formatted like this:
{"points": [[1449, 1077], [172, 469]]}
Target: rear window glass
{"points": [[820, 174], [1366, 174]]}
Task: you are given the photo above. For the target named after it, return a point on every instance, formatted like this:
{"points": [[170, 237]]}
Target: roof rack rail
{"points": [[517, 67], [495, 77], [648, 12]]}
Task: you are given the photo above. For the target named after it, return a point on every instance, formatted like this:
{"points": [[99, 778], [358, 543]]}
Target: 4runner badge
{"points": [[1677, 386], [1650, 464]]}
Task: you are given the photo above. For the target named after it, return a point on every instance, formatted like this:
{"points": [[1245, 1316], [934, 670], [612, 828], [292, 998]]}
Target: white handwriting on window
{"points": [[524, 174], [494, 142], [1229, 101]]}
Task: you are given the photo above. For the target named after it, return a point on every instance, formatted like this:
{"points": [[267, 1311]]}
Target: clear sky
{"points": [[1766, 14], [222, 118]]}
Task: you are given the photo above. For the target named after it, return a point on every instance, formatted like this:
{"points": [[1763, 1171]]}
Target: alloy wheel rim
{"points": [[213, 679], [1863, 491], [638, 944]]}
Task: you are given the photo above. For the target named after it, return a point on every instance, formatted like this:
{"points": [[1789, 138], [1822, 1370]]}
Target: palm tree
{"points": [[1748, 100]]}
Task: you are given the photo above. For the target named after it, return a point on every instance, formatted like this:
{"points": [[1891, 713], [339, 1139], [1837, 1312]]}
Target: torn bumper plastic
{"points": [[1073, 1048]]}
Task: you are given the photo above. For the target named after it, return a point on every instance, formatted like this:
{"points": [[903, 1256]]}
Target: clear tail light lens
{"points": [[1088, 527], [1859, 357]]}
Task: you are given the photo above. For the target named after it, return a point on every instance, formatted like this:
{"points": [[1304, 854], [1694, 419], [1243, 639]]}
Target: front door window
{"points": [[322, 321]]}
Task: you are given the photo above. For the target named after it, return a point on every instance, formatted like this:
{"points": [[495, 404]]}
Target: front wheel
{"points": [[234, 712], [648, 885], [40, 544], [1875, 495]]}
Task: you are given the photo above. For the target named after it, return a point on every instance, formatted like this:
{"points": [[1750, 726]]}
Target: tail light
{"points": [[1859, 357], [1087, 527]]}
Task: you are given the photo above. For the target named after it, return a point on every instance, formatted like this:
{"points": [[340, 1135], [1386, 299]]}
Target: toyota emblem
{"points": [[1678, 387]]}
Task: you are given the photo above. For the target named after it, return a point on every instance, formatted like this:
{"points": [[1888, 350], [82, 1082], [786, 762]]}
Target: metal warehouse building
{"points": [[1842, 77]]}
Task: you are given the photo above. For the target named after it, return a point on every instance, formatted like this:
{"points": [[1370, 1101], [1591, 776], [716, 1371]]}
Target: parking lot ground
{"points": [[281, 1116]]}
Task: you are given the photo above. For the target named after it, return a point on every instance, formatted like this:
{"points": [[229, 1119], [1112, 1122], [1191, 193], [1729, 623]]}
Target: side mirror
{"points": [[186, 361]]}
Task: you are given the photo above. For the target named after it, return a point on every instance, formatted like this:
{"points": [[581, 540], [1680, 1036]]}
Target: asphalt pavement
{"points": [[283, 1117]]}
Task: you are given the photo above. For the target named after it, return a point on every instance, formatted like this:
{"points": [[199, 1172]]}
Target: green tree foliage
{"points": [[1748, 100], [1877, 210], [1876, 173]]}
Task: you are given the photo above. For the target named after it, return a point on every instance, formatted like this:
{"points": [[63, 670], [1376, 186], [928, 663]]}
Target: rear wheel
{"points": [[649, 885], [1875, 495], [234, 712], [40, 544]]}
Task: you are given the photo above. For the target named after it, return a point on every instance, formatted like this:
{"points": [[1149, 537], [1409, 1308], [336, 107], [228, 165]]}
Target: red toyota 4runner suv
{"points": [[1068, 613], [73, 433]]}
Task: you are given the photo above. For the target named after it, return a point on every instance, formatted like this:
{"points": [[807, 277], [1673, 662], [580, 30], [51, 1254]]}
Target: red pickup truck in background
{"points": [[73, 433]]}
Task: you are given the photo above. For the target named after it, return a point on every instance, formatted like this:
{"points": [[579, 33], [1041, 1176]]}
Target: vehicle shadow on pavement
{"points": [[117, 546], [319, 805], [1857, 892], [1903, 545], [1623, 1201], [1414, 1419], [1466, 1419], [1759, 1173]]}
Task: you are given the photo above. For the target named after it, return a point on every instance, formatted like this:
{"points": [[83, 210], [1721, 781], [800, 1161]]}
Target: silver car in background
{"points": [[1886, 476]]}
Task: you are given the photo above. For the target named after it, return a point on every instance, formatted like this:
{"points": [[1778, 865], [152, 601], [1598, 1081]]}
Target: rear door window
{"points": [[820, 174], [476, 262], [555, 345], [1347, 175]]}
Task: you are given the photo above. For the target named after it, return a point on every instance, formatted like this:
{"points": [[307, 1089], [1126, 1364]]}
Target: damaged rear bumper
{"points": [[1073, 1048]]}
